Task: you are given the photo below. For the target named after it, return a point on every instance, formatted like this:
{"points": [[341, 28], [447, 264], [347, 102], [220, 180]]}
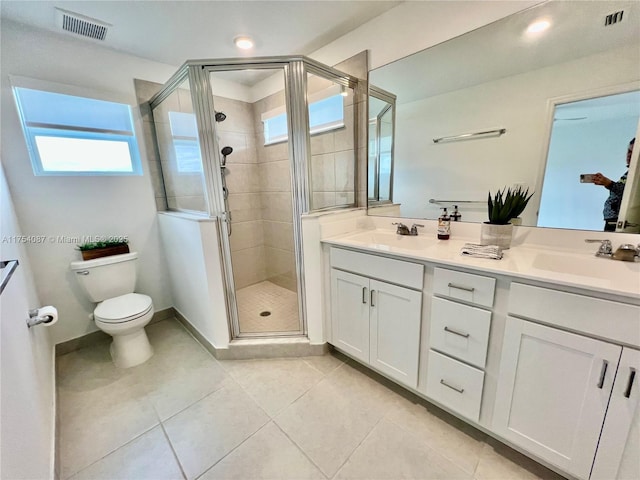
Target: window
{"points": [[324, 115], [184, 133], [68, 135]]}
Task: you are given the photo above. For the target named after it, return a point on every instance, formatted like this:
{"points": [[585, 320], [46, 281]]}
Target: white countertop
{"points": [[553, 265]]}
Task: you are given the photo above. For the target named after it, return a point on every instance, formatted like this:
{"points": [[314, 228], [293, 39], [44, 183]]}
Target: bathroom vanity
{"points": [[540, 349]]}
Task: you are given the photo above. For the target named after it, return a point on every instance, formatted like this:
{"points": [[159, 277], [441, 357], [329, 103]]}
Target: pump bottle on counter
{"points": [[456, 216], [444, 226]]}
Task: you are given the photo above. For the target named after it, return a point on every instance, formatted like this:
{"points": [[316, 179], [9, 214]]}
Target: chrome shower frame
{"points": [[295, 69]]}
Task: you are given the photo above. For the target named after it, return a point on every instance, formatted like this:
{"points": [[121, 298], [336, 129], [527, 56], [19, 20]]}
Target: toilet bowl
{"points": [[124, 318], [121, 313]]}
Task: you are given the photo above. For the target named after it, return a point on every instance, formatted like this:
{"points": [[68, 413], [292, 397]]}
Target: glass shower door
{"points": [[252, 136]]}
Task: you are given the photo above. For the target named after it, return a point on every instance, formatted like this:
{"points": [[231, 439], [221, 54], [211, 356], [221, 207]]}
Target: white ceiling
{"points": [[501, 49], [172, 32]]}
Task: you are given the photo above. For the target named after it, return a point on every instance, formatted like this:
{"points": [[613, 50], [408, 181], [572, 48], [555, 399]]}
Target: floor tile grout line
{"points": [[358, 446], [173, 450], [429, 447], [236, 447], [300, 448], [220, 387], [67, 477]]}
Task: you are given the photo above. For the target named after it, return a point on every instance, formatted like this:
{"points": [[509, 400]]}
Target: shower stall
{"points": [[256, 143]]}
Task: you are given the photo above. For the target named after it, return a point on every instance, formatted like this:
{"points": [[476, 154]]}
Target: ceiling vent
{"points": [[81, 25], [613, 18]]}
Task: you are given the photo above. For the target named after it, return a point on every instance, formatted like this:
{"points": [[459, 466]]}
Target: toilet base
{"points": [[131, 349]]}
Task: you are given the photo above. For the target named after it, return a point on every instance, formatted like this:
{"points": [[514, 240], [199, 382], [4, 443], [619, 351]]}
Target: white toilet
{"points": [[120, 312]]}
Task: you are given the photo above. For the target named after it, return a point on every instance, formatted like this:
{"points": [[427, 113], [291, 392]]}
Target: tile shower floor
{"points": [[282, 305], [184, 414]]}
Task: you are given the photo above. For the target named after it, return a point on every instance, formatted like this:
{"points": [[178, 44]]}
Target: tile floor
{"points": [[184, 414], [267, 296]]}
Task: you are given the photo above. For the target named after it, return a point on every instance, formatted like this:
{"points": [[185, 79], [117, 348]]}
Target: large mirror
{"points": [[501, 106]]}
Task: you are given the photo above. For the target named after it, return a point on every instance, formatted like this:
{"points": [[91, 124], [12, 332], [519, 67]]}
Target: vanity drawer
{"points": [[390, 270], [455, 385], [615, 321], [460, 331], [464, 286]]}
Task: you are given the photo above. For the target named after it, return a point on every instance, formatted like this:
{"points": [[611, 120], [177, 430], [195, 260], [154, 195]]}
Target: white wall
{"points": [[191, 246], [77, 206], [27, 380], [468, 170], [414, 26], [583, 147]]}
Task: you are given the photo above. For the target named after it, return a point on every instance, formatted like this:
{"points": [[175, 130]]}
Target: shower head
{"points": [[220, 117], [225, 151]]}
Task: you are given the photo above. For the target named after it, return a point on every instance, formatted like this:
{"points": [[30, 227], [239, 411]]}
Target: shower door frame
{"points": [[295, 69]]}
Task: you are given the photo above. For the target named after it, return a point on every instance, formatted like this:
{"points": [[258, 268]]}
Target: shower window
{"points": [[179, 150], [333, 147], [326, 112], [69, 135], [184, 132]]}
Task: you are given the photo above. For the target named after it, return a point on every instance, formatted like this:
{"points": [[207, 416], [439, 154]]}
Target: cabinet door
{"points": [[619, 448], [350, 313], [553, 390], [395, 331]]}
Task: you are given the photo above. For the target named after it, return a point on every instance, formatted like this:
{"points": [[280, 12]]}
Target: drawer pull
{"points": [[603, 373], [632, 377], [364, 295], [371, 298], [455, 332], [459, 390], [460, 287]]}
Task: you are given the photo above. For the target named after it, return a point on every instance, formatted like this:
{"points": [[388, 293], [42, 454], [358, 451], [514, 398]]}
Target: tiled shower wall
{"points": [[248, 253], [277, 202], [259, 182]]}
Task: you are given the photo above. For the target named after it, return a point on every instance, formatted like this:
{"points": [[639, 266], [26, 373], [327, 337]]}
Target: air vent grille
{"points": [[81, 25], [613, 18]]}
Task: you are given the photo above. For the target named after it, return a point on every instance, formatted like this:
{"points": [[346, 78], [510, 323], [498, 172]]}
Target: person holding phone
{"points": [[612, 203]]}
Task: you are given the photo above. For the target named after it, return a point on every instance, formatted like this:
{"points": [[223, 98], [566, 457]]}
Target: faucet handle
{"points": [[400, 224], [606, 249], [414, 228]]}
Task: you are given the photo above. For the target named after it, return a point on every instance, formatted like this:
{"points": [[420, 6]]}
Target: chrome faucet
{"points": [[404, 230], [605, 250]]}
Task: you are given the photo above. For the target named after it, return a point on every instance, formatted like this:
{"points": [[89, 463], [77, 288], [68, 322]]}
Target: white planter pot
{"points": [[499, 235]]}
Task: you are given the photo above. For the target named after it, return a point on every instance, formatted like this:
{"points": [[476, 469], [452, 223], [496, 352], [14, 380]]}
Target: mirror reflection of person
{"points": [[612, 203]]}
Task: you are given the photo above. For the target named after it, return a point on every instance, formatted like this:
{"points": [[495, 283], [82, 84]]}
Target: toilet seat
{"points": [[123, 308]]}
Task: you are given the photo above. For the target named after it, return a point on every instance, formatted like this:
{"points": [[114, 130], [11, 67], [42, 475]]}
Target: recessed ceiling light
{"points": [[244, 42], [538, 26]]}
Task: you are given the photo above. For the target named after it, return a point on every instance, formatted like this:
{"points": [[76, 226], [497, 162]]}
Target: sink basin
{"points": [[598, 270], [386, 240]]}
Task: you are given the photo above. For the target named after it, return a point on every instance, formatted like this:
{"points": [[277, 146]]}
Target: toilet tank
{"points": [[106, 277]]}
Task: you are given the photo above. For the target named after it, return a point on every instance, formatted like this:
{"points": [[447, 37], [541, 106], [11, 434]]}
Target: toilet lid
{"points": [[123, 308]]}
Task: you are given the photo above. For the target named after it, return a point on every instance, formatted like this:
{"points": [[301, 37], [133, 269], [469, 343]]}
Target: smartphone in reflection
{"points": [[587, 177]]}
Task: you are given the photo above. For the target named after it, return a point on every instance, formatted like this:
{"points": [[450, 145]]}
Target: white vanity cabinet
{"points": [[377, 322], [555, 386], [618, 455], [458, 339], [553, 391]]}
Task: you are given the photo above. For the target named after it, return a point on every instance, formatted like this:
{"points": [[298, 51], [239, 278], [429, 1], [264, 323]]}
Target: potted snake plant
{"points": [[504, 206]]}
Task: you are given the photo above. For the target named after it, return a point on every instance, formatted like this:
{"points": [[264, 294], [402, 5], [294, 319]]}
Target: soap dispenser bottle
{"points": [[456, 216], [444, 226]]}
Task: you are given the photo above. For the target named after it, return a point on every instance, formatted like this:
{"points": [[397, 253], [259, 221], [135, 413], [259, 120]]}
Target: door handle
{"points": [[459, 390], [632, 377], [364, 295], [603, 373], [455, 332], [460, 287], [371, 298]]}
